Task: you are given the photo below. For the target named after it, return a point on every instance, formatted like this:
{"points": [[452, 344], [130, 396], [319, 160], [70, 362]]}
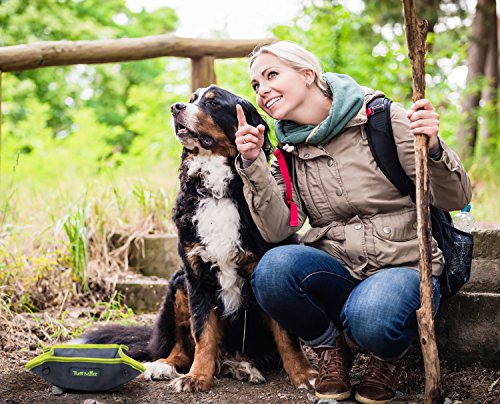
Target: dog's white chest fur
{"points": [[217, 222]]}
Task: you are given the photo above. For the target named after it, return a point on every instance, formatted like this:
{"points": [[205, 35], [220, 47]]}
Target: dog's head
{"points": [[208, 122]]}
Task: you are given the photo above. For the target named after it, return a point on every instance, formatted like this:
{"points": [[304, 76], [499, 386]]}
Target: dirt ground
{"points": [[473, 384]]}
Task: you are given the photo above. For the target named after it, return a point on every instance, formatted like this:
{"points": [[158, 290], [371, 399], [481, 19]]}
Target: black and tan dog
{"points": [[209, 322]]}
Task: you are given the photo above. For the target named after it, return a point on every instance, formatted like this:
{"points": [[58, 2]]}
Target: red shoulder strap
{"points": [[294, 214]]}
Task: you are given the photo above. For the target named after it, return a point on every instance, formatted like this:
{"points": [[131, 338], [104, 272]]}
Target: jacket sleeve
{"points": [[264, 190], [449, 183]]}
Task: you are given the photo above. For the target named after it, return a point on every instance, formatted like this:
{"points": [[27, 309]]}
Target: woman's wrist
{"points": [[436, 152], [246, 162]]}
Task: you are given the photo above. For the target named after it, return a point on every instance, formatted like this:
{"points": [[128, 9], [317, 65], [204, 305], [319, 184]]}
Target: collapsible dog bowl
{"points": [[86, 367]]}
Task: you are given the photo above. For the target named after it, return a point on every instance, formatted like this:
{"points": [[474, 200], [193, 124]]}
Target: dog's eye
{"points": [[206, 141], [212, 102]]}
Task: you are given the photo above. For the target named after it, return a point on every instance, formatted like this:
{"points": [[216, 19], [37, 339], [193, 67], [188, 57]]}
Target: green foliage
{"points": [[103, 88], [353, 44], [76, 230]]}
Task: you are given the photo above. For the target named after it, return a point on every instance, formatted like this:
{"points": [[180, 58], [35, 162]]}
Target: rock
{"points": [[57, 391]]}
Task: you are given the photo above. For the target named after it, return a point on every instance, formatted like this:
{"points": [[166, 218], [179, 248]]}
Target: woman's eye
{"points": [[255, 87], [271, 75]]}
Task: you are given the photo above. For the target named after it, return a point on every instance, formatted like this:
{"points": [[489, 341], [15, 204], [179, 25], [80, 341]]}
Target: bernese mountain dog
{"points": [[210, 323]]}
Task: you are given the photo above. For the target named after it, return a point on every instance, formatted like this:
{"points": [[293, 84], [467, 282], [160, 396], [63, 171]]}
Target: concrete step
{"points": [[151, 255], [487, 243], [143, 294], [467, 325], [156, 254], [468, 328], [485, 276]]}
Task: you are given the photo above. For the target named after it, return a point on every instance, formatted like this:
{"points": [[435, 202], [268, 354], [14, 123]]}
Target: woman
{"points": [[355, 274]]}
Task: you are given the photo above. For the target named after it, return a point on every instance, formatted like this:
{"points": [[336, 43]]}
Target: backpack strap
{"points": [[383, 147], [285, 172]]}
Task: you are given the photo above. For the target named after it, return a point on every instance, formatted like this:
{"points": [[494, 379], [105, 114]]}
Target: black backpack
{"points": [[455, 244]]}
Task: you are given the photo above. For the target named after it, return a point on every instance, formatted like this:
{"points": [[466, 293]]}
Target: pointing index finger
{"points": [[241, 116]]}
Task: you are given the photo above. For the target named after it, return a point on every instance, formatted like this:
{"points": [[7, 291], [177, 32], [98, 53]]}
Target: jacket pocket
{"points": [[395, 238], [333, 231]]}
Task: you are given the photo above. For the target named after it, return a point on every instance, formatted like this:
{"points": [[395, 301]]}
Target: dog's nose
{"points": [[177, 107]]}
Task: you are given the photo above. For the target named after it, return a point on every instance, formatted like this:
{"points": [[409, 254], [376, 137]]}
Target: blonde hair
{"points": [[296, 57]]}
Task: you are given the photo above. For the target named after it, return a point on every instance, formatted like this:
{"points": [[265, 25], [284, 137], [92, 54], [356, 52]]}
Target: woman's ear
{"points": [[309, 76]]}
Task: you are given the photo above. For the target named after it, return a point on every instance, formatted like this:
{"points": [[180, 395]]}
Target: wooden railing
{"points": [[202, 53]]}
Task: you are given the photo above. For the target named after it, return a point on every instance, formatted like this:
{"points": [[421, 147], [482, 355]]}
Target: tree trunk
{"points": [[476, 61], [491, 124]]}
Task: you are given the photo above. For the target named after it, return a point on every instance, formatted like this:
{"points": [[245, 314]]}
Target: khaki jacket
{"points": [[355, 213]]}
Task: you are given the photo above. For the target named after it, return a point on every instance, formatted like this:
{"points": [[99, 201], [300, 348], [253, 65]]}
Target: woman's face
{"points": [[280, 90]]}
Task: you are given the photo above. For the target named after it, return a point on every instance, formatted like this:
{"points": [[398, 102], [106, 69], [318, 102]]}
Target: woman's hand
{"points": [[249, 139], [425, 120]]}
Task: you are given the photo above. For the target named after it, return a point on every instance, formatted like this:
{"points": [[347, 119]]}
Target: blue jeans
{"points": [[312, 295]]}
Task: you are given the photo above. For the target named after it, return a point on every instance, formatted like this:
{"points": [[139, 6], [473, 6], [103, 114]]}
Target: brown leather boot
{"points": [[334, 365], [379, 381]]}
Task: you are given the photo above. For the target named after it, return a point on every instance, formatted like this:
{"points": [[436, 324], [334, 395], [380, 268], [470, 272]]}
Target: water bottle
{"points": [[463, 220]]}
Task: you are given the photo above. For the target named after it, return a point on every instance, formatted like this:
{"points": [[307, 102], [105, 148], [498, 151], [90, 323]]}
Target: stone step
{"points": [[151, 255], [467, 325], [468, 328], [156, 254], [487, 243], [485, 276], [143, 294]]}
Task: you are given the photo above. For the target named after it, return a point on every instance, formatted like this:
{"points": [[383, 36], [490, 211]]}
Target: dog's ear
{"points": [[254, 118]]}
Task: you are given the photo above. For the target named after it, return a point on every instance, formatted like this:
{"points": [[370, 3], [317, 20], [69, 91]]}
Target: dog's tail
{"points": [[147, 344], [136, 338]]}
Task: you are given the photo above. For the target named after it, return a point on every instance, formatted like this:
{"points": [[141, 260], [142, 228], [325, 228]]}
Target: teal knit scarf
{"points": [[347, 101]]}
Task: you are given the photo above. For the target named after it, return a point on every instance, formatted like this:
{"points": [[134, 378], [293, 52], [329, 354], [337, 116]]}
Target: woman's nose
{"points": [[263, 89]]}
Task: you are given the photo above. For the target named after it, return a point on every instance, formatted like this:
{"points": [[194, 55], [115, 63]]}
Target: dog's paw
{"points": [[305, 379], [191, 383], [242, 370], [160, 371]]}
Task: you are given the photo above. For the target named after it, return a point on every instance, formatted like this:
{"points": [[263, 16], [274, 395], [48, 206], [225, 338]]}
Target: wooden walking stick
{"points": [[416, 33]]}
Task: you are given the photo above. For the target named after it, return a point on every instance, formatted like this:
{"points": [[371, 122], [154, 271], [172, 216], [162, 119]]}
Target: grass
{"points": [[56, 260], [76, 231]]}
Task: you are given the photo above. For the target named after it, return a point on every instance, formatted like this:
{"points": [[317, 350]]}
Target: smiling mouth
{"points": [[273, 101], [181, 130]]}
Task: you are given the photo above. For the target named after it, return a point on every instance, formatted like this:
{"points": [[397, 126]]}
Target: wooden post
{"points": [[202, 72], [416, 33]]}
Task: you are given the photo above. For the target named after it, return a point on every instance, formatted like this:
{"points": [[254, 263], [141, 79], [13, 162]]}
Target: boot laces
{"points": [[381, 373], [331, 364]]}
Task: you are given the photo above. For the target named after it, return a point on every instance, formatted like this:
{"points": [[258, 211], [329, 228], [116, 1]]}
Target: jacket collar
{"points": [[360, 118]]}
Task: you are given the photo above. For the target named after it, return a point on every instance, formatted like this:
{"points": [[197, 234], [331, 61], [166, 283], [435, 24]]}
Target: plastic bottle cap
{"points": [[466, 209]]}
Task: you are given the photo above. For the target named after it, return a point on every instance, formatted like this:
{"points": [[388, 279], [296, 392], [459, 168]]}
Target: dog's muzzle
{"points": [[177, 107]]}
